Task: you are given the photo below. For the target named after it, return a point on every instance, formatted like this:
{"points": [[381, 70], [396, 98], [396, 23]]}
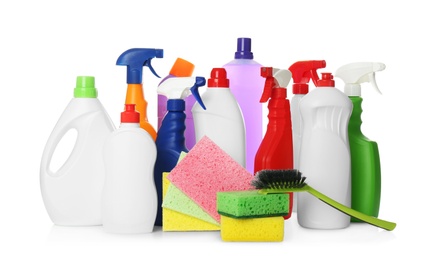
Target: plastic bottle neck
{"points": [[134, 95], [176, 105], [279, 109], [130, 125], [171, 134], [300, 88], [355, 121]]}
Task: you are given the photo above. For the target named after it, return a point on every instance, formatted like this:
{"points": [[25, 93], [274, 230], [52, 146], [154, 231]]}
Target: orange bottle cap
{"points": [[182, 68]]}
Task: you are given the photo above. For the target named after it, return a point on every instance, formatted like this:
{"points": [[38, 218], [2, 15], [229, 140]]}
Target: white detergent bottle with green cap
{"points": [[72, 194], [129, 204], [324, 155]]}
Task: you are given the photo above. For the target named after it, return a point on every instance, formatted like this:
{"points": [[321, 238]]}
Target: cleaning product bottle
{"points": [[221, 119], [276, 149], [181, 68], [171, 135], [246, 85], [135, 59], [365, 159], [72, 194], [324, 155], [129, 202], [302, 72]]}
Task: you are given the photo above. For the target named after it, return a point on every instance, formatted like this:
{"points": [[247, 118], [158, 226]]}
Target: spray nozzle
{"points": [[135, 59], [199, 82], [182, 87], [353, 74], [275, 78], [302, 72]]}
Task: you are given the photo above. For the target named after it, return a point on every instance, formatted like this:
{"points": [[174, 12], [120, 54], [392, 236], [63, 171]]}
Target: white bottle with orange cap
{"points": [[129, 202]]}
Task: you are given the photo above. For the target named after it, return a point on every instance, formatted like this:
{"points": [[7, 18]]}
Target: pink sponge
{"points": [[206, 170]]}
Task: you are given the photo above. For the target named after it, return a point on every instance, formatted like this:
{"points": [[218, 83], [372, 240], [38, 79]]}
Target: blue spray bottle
{"points": [[171, 134], [135, 59], [181, 68]]}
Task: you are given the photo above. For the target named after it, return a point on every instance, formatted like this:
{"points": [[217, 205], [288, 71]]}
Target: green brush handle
{"points": [[351, 212]]}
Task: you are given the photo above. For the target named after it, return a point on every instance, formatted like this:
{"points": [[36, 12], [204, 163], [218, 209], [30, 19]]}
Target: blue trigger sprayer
{"points": [[135, 59]]}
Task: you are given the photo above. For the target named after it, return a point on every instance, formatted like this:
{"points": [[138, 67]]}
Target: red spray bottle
{"points": [[276, 149]]}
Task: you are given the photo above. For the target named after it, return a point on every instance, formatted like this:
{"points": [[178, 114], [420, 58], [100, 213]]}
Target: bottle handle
{"points": [[51, 146]]}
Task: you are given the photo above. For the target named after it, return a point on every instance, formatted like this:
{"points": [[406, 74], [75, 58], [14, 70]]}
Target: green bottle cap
{"points": [[85, 87]]}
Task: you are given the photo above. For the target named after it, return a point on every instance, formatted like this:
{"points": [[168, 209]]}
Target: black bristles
{"points": [[278, 179]]}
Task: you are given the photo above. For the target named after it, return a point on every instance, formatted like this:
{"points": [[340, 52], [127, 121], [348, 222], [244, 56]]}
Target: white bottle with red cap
{"points": [[129, 202], [325, 155], [221, 120]]}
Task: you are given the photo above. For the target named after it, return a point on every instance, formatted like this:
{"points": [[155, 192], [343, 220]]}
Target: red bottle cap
{"points": [[218, 79], [326, 80], [130, 115]]}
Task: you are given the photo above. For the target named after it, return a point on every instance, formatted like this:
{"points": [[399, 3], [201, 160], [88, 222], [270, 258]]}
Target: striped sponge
{"points": [[270, 229], [177, 221], [252, 204], [206, 170], [176, 200]]}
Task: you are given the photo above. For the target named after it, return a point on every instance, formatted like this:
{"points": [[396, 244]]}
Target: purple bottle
{"points": [[246, 84]]}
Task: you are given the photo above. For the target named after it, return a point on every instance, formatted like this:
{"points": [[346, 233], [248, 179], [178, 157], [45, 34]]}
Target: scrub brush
{"points": [[291, 180]]}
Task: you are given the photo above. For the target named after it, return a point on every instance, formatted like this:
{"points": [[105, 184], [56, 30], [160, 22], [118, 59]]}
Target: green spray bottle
{"points": [[365, 160]]}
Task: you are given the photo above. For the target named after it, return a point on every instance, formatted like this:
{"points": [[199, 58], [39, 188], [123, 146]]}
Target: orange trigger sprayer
{"points": [[135, 59]]}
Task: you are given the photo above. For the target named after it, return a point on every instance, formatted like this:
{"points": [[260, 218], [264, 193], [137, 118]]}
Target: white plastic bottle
{"points": [[222, 120], [72, 195], [129, 204], [302, 72], [324, 155]]}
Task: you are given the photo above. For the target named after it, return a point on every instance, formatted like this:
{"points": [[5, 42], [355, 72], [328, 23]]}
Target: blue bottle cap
{"points": [[244, 49]]}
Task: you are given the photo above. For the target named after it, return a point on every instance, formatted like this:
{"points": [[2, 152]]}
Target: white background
{"points": [[44, 45]]}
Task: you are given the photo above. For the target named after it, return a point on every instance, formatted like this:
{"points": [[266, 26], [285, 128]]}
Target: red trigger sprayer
{"points": [[302, 72]]}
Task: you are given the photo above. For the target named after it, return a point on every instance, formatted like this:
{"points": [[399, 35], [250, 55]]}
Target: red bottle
{"points": [[276, 149]]}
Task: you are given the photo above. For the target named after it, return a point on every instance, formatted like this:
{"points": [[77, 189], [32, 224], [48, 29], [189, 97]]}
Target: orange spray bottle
{"points": [[135, 59]]}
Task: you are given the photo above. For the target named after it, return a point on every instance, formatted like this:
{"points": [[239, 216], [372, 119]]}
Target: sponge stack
{"points": [[205, 170], [209, 190], [180, 213], [247, 216]]}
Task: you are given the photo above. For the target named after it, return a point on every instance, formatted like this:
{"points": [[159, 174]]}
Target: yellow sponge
{"points": [[177, 221], [268, 229]]}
